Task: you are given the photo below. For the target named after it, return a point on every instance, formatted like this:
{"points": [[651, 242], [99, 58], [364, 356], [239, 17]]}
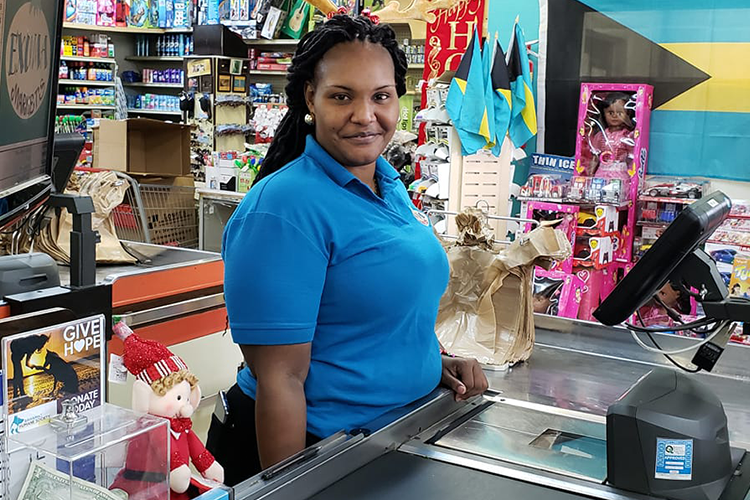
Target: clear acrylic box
{"points": [[114, 448]]}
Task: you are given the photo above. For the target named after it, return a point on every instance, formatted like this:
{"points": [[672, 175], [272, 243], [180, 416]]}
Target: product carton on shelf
{"points": [[143, 146]]}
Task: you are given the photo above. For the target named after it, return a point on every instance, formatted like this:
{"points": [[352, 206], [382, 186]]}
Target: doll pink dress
{"points": [[615, 153]]}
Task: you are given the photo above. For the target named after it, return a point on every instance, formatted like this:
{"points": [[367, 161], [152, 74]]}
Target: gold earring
{"points": [[309, 119]]}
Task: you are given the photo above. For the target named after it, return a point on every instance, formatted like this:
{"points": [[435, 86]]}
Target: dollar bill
{"points": [[45, 483]]}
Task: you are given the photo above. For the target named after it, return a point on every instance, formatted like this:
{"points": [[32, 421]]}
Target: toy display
{"points": [[676, 190], [557, 293], [610, 128], [164, 387], [545, 187]]}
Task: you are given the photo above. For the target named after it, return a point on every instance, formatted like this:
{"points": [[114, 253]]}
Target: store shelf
{"points": [[154, 85], [739, 216], [652, 223], [728, 244], [659, 199], [571, 202], [123, 29], [277, 43], [155, 58], [84, 106], [154, 112], [86, 83], [416, 66], [269, 73], [88, 59]]}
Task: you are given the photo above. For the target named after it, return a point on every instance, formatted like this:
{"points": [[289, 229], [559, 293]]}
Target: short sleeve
{"points": [[273, 280]]}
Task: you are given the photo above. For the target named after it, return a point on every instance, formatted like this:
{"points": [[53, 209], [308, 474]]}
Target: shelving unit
{"points": [[124, 29], [153, 85], [84, 106], [660, 199], [104, 60], [154, 58], [265, 72], [154, 112], [86, 83], [275, 43]]}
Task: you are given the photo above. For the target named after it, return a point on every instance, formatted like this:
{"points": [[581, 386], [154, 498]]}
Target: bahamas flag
{"points": [[500, 96], [488, 98], [523, 112], [466, 100]]}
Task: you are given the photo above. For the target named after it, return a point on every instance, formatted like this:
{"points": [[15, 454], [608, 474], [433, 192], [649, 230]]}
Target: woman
{"points": [[332, 278]]}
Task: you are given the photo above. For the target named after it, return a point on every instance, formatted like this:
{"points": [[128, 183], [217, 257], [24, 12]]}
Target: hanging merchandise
{"points": [[523, 110], [274, 19], [294, 25]]}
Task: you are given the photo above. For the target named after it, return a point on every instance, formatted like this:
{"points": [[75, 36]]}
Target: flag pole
{"points": [[511, 42]]}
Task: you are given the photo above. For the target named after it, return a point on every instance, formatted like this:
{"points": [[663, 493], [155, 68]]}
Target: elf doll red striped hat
{"points": [[148, 360]]}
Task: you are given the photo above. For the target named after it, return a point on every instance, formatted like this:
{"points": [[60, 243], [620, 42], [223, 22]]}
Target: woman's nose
{"points": [[363, 112]]}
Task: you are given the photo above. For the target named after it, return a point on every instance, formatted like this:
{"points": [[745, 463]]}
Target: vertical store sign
{"points": [[449, 36]]}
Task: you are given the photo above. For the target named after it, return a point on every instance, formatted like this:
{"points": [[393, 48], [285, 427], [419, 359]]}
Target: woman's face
{"points": [[354, 101]]}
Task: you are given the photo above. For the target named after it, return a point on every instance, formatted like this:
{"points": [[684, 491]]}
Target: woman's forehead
{"points": [[356, 64]]}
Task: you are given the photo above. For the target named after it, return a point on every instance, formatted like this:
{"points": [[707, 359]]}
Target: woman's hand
{"points": [[464, 376]]}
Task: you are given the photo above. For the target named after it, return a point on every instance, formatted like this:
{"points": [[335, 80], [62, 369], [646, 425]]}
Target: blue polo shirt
{"points": [[313, 255]]}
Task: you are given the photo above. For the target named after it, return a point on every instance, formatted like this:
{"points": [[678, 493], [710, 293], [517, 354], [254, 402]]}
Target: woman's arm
{"points": [[280, 405]]}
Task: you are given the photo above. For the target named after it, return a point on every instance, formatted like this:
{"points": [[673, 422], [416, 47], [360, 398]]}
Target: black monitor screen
{"points": [[29, 62], [689, 230]]}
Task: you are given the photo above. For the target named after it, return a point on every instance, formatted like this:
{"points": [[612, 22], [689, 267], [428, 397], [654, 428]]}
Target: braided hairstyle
{"points": [[289, 141]]}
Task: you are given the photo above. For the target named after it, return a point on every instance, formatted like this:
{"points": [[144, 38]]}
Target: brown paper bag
{"points": [[107, 191], [487, 310]]}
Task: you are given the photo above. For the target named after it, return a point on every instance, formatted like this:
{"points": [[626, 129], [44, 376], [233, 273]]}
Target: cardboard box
{"points": [[143, 146]]}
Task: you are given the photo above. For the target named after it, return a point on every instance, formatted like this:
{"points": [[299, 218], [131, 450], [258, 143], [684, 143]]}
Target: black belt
{"points": [[143, 477]]}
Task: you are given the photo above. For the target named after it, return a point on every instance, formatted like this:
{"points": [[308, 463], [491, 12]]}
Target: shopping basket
{"points": [[158, 214]]}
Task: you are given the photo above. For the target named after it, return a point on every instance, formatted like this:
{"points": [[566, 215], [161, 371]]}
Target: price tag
{"points": [[118, 374]]}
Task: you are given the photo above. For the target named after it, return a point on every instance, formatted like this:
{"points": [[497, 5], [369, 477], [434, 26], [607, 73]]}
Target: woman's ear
{"points": [[309, 97]]}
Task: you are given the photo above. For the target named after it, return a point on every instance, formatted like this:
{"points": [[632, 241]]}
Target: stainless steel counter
{"points": [[538, 433], [151, 258]]}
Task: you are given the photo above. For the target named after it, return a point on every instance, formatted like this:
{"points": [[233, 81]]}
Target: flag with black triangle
{"points": [[466, 104], [523, 112], [501, 97]]}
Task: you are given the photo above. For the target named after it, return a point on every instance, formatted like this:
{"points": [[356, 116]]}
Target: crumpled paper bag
{"points": [[107, 192], [487, 310]]}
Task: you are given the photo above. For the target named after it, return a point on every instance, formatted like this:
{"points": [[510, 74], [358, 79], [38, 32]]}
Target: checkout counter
{"points": [[538, 433]]}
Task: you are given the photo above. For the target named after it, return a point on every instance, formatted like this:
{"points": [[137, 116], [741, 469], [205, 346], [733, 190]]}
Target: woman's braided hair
{"points": [[289, 141]]}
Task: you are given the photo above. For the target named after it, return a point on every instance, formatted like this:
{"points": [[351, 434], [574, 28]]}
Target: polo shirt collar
{"points": [[336, 171]]}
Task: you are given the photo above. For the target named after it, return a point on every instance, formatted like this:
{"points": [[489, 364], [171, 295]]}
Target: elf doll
{"points": [[166, 388]]}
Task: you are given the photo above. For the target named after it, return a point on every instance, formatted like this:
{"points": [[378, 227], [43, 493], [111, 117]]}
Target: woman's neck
{"points": [[365, 173]]}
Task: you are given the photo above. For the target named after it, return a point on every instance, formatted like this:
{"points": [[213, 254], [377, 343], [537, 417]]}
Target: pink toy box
{"points": [[557, 293], [569, 216], [612, 140]]}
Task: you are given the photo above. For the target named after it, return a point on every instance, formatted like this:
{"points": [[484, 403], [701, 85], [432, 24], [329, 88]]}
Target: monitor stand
{"points": [[83, 239]]}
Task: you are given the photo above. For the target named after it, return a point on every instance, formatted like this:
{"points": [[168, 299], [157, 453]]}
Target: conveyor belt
{"points": [[400, 476]]}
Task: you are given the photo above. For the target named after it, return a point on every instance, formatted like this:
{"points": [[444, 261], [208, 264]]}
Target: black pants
{"points": [[234, 443]]}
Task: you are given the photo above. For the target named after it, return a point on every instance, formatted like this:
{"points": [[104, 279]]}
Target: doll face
{"points": [[175, 403], [616, 115]]}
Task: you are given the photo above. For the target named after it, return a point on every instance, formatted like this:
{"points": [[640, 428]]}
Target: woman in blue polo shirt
{"points": [[332, 278]]}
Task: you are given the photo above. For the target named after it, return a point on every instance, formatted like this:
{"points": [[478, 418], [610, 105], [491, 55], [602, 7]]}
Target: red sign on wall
{"points": [[449, 36]]}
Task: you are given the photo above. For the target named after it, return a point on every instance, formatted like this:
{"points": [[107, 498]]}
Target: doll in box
{"points": [[612, 146]]}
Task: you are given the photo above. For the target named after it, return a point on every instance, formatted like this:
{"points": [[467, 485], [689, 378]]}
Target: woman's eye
{"points": [[382, 97], [340, 97]]}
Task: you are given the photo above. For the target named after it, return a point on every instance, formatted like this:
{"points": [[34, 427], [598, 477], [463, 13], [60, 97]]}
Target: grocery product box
{"points": [[143, 146], [739, 283]]}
